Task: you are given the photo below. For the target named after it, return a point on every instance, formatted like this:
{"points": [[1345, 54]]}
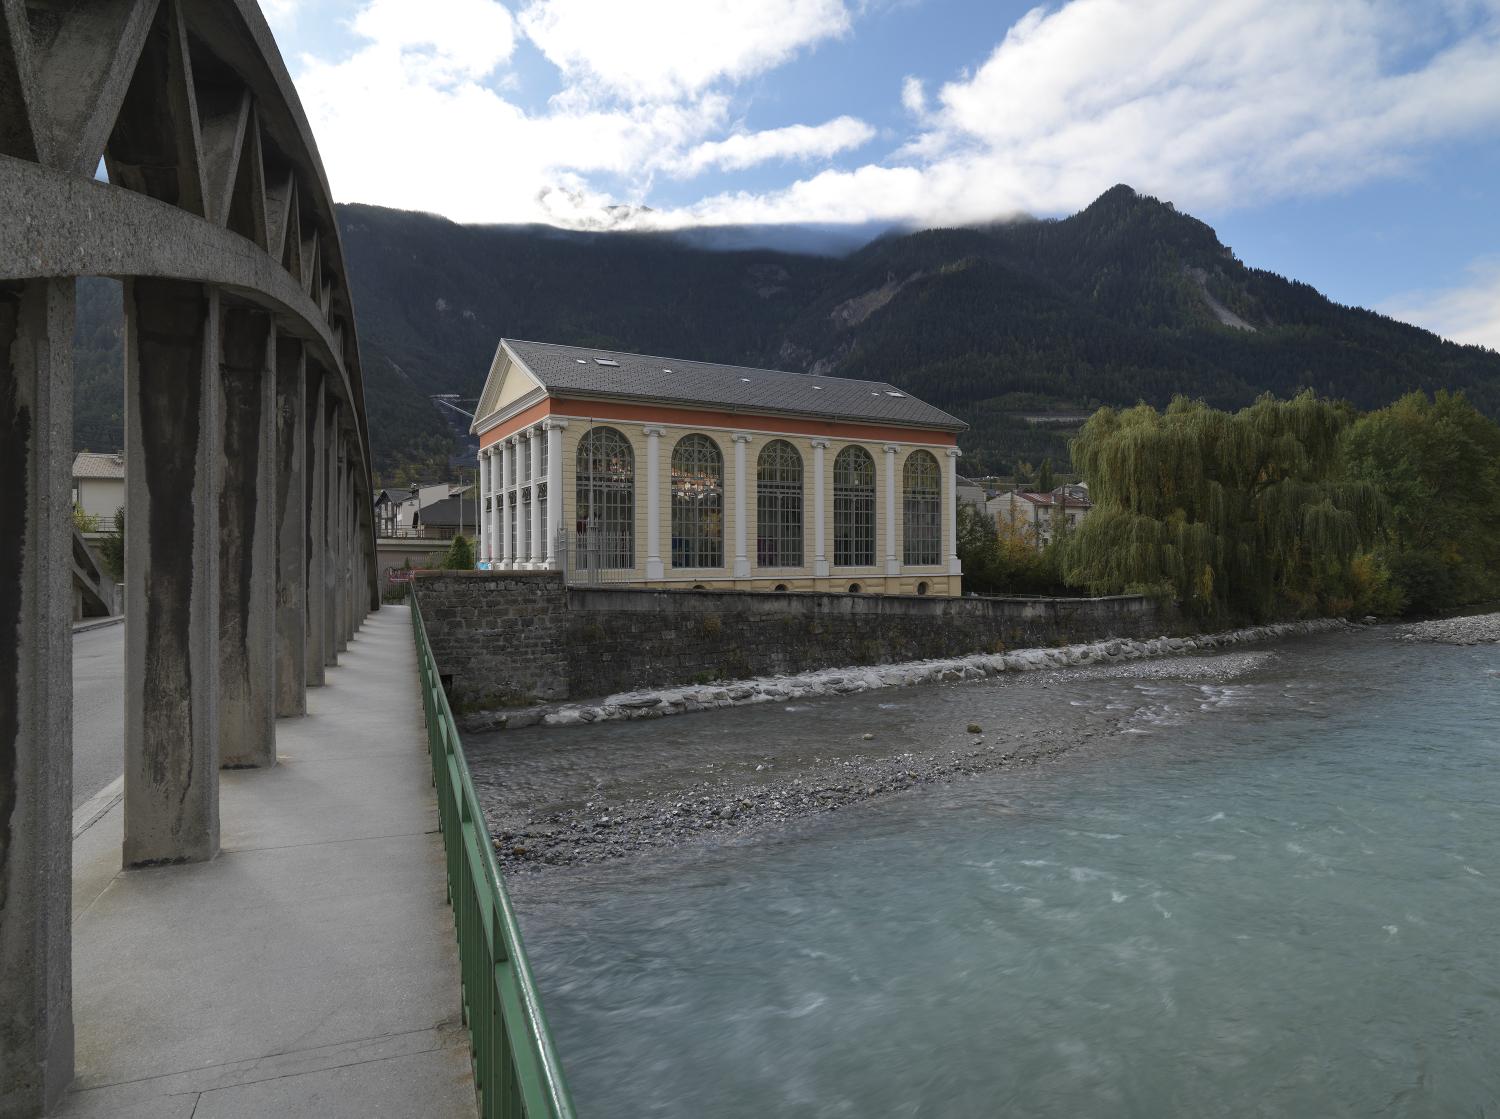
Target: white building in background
{"points": [[673, 473], [99, 485], [1038, 515]]}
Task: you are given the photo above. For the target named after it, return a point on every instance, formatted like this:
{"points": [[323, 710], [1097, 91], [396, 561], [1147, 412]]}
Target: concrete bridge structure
{"points": [[250, 551]]}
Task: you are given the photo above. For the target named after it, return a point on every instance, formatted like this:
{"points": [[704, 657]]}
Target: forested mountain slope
{"points": [[1127, 300]]}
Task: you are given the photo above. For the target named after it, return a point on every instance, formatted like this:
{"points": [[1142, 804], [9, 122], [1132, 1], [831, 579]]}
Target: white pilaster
{"points": [[554, 429], [892, 564], [538, 545], [654, 568], [820, 549], [523, 523], [741, 555], [950, 511], [507, 484], [497, 502], [482, 489]]}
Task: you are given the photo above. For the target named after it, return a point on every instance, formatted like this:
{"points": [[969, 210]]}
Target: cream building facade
{"points": [[628, 468]]}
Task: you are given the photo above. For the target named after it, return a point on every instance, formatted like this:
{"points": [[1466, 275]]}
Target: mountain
{"points": [[1018, 328]]}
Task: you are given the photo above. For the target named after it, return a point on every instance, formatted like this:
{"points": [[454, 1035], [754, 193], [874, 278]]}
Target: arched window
{"points": [[605, 500], [922, 509], [697, 503], [778, 506], [853, 508]]}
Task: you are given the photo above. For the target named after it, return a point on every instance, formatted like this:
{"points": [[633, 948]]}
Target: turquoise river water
{"points": [[1271, 894]]}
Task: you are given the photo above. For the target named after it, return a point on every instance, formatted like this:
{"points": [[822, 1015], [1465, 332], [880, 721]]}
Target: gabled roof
{"points": [[581, 371], [91, 464], [449, 512]]}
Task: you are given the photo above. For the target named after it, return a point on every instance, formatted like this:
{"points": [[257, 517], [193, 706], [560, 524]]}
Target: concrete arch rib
{"points": [[249, 461]]}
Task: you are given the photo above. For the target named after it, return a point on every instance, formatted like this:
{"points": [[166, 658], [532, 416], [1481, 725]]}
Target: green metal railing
{"points": [[516, 1072]]}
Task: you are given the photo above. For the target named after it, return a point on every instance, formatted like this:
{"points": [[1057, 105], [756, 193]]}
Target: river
{"points": [[1259, 884]]}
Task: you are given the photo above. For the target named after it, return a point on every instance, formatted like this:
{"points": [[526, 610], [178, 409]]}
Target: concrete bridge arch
{"points": [[250, 545]]}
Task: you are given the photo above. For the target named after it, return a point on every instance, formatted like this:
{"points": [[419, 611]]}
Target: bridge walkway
{"points": [[310, 969]]}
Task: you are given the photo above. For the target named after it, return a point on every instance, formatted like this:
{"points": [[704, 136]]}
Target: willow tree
{"points": [[1234, 514]]}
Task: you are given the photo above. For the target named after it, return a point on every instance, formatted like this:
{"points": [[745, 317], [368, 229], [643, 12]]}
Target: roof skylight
{"points": [[745, 379], [888, 392], [581, 361], [606, 361]]}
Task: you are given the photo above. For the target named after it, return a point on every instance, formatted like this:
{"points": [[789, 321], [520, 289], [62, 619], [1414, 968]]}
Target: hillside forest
{"points": [[1021, 329]]}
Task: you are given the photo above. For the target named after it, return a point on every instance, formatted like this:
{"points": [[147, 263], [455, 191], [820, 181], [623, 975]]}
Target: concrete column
{"points": [[503, 506], [654, 568], [482, 499], [317, 525], [538, 545], [247, 541], [172, 436], [523, 522], [291, 527], [554, 429], [36, 695], [332, 453], [950, 510], [820, 528], [892, 561], [741, 555], [347, 544]]}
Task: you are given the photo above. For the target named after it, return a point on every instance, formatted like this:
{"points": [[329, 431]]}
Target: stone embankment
{"points": [[1476, 629], [701, 697]]}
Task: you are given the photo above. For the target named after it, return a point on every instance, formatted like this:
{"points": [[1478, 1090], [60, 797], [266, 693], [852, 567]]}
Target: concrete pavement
{"points": [[98, 708], [310, 969]]}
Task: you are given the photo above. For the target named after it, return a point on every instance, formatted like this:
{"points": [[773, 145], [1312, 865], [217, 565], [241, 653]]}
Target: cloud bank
{"points": [[1232, 103]]}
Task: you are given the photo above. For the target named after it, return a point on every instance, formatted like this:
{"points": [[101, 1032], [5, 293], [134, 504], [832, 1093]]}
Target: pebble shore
{"points": [[657, 704], [1475, 629], [597, 831]]}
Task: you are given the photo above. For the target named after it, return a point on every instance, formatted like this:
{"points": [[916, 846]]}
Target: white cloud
{"points": [[913, 96], [1469, 313], [1212, 105], [797, 141], [657, 50]]}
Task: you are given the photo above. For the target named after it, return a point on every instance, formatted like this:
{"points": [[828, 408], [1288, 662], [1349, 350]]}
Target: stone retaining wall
{"points": [[507, 639]]}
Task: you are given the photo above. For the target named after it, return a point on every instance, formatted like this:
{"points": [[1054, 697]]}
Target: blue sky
{"points": [[1352, 144]]}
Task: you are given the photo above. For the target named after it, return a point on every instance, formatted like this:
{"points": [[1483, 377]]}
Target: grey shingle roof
{"points": [[574, 370], [92, 464]]}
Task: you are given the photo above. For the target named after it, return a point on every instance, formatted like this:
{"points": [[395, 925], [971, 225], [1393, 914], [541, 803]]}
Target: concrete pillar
{"points": [[36, 695], [554, 429], [820, 527], [950, 510], [333, 453], [892, 563], [482, 501], [346, 539], [654, 569], [352, 502], [291, 527], [741, 554], [172, 436], [503, 506], [534, 534], [523, 522], [247, 541], [317, 525]]}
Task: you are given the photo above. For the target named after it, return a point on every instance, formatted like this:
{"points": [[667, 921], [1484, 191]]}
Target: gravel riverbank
{"points": [[555, 801], [1475, 629]]}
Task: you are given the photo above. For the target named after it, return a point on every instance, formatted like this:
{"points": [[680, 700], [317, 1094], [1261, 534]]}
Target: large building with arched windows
{"points": [[651, 471]]}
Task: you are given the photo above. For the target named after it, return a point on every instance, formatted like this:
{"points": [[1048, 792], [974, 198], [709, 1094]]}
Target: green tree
{"points": [[84, 522], [1044, 479], [111, 548], [460, 555], [1240, 514], [1436, 462]]}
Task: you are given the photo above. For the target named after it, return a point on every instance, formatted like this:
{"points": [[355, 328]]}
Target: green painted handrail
{"points": [[516, 1071]]}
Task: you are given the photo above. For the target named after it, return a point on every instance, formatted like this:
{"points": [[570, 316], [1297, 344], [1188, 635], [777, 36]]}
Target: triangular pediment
{"points": [[508, 381]]}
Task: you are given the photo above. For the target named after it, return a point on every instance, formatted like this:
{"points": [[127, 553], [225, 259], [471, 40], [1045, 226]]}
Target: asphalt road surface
{"points": [[98, 709]]}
